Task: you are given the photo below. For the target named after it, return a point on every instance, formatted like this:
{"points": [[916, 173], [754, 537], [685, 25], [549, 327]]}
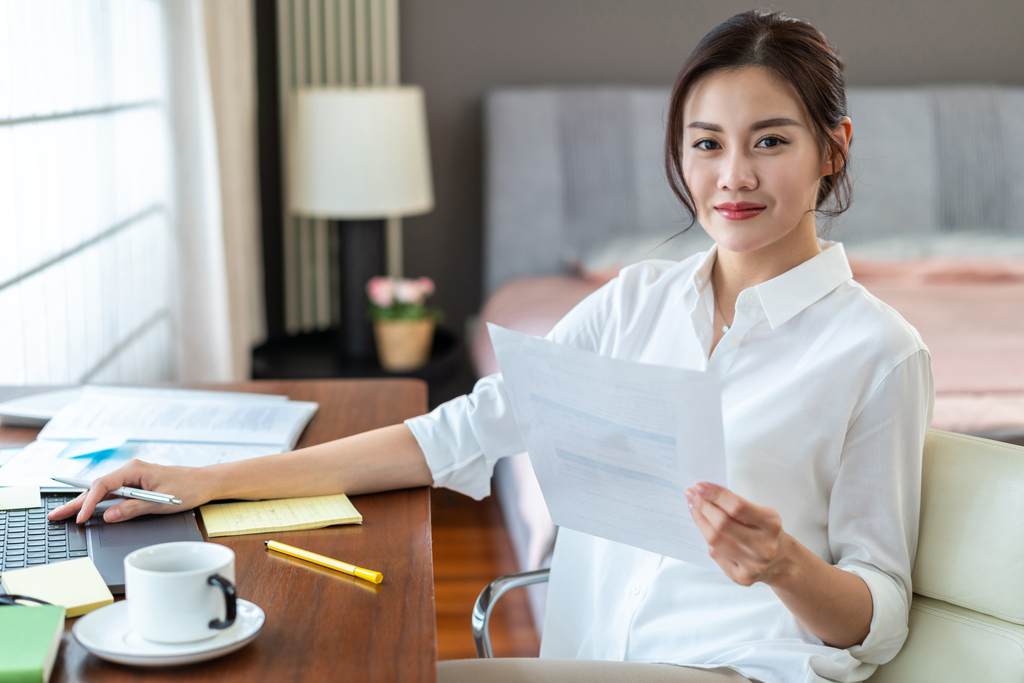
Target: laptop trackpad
{"points": [[110, 543]]}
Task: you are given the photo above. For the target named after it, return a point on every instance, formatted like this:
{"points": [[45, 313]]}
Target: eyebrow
{"points": [[767, 123]]}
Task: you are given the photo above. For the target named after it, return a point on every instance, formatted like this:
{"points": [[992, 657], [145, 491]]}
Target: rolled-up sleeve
{"points": [[875, 502], [463, 438]]}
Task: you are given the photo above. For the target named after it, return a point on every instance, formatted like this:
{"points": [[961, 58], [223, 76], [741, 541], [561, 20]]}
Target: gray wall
{"points": [[459, 49]]}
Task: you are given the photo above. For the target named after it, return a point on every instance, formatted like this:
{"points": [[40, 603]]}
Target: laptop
{"points": [[28, 538]]}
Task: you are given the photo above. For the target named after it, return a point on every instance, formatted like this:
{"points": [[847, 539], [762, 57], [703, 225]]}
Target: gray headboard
{"points": [[566, 169]]}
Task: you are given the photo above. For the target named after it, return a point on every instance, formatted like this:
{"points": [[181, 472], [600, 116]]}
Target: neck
{"points": [[735, 271]]}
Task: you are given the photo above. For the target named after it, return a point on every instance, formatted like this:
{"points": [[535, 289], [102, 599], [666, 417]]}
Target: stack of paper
{"points": [[95, 430]]}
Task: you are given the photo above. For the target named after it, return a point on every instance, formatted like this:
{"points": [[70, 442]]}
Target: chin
{"points": [[739, 240]]}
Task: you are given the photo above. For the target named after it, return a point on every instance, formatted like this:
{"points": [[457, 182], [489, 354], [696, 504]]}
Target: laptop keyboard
{"points": [[27, 538]]}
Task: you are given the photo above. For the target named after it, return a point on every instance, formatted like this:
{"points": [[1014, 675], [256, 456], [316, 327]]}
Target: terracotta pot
{"points": [[403, 345]]}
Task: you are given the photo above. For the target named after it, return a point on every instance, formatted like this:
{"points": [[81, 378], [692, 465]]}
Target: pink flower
{"points": [[426, 286], [408, 292], [381, 291]]}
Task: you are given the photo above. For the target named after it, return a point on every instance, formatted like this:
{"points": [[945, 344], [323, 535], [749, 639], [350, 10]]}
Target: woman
{"points": [[826, 396]]}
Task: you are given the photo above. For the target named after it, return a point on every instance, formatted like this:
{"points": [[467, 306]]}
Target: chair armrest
{"points": [[489, 596]]}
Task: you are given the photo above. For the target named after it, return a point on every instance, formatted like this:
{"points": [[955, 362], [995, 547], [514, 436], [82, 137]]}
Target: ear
{"points": [[841, 134]]}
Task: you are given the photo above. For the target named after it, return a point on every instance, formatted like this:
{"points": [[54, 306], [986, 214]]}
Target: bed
{"points": [[574, 190]]}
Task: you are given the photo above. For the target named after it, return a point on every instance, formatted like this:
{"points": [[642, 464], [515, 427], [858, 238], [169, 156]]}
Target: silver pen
{"points": [[125, 492]]}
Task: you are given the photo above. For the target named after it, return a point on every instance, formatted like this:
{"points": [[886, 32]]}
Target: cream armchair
{"points": [[967, 615]]}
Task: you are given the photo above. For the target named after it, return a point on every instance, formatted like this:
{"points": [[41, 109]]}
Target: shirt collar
{"points": [[784, 296], [790, 293], [702, 275]]}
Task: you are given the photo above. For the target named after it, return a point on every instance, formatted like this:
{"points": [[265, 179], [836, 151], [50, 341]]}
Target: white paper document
{"points": [[35, 410], [40, 460], [615, 443], [6, 454], [159, 418]]}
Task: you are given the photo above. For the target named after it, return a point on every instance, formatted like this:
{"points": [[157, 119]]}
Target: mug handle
{"points": [[230, 601]]}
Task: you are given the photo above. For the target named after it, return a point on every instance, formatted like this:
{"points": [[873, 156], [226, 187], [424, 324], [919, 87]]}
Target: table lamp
{"points": [[360, 155]]}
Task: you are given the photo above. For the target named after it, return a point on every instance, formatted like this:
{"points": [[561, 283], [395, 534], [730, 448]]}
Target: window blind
{"points": [[326, 42], [86, 242]]}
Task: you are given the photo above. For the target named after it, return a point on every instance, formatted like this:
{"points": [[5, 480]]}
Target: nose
{"points": [[737, 172]]}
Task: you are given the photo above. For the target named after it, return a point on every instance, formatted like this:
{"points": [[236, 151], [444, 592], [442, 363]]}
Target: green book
{"points": [[29, 640]]}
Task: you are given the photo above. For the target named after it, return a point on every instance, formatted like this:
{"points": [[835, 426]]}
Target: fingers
{"points": [[129, 475], [184, 482], [84, 506], [68, 509], [715, 544], [726, 552], [743, 538], [736, 507], [131, 508], [117, 513], [94, 495], [721, 526]]}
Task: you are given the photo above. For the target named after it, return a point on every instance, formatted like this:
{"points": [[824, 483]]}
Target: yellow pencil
{"points": [[368, 575]]}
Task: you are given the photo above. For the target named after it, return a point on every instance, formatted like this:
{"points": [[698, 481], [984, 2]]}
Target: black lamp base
{"points": [[361, 256]]}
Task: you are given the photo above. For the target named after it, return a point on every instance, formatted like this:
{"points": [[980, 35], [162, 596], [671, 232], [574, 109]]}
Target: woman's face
{"points": [[751, 161]]}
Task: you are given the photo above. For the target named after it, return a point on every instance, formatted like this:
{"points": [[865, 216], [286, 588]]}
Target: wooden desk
{"points": [[320, 625]]}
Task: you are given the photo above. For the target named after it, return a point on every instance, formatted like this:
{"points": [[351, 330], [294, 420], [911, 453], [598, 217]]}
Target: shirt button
{"points": [[734, 342], [636, 590], [617, 657], [751, 298]]}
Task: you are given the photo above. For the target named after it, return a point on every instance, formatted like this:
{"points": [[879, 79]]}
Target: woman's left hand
{"points": [[746, 540]]}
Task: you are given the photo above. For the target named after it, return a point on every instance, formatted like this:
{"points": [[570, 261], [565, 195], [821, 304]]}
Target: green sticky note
{"points": [[19, 497]]}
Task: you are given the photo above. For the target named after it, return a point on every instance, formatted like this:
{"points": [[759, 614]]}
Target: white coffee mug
{"points": [[180, 592]]}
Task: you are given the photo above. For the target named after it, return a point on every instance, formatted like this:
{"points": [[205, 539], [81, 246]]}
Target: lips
{"points": [[738, 211]]}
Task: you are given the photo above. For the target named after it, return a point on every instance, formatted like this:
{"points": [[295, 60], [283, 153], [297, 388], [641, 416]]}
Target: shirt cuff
{"points": [[890, 611]]}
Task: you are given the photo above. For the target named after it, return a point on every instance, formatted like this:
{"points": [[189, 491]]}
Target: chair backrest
{"points": [[967, 615]]}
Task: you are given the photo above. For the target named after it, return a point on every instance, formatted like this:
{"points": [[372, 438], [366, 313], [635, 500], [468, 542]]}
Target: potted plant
{"points": [[402, 325]]}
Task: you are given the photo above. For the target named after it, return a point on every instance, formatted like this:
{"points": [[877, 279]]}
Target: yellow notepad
{"points": [[76, 585], [284, 514]]}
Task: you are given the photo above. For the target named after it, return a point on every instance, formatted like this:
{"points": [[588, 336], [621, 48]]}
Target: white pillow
{"points": [[972, 243], [619, 252]]}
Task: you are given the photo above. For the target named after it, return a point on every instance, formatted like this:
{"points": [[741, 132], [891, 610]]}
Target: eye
{"points": [[706, 144], [770, 141]]}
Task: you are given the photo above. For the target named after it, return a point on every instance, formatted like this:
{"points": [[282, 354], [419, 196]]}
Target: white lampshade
{"points": [[359, 153]]}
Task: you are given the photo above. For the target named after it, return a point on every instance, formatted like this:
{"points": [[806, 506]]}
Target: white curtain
{"points": [[202, 329], [129, 214], [231, 49], [220, 307]]}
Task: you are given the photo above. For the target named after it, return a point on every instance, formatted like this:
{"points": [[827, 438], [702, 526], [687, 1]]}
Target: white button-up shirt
{"points": [[826, 392]]}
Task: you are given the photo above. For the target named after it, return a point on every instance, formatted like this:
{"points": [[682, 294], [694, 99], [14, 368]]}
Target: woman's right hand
{"points": [[185, 483]]}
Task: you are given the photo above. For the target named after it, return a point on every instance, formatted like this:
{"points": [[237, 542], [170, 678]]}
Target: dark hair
{"points": [[795, 52]]}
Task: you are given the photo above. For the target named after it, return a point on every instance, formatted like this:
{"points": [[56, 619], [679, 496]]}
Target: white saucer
{"points": [[105, 633]]}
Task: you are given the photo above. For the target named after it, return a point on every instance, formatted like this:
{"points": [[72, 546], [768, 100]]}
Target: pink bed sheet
{"points": [[531, 305], [969, 313], [974, 332]]}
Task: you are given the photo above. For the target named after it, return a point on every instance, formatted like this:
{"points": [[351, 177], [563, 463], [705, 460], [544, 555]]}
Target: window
{"points": [[86, 192]]}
